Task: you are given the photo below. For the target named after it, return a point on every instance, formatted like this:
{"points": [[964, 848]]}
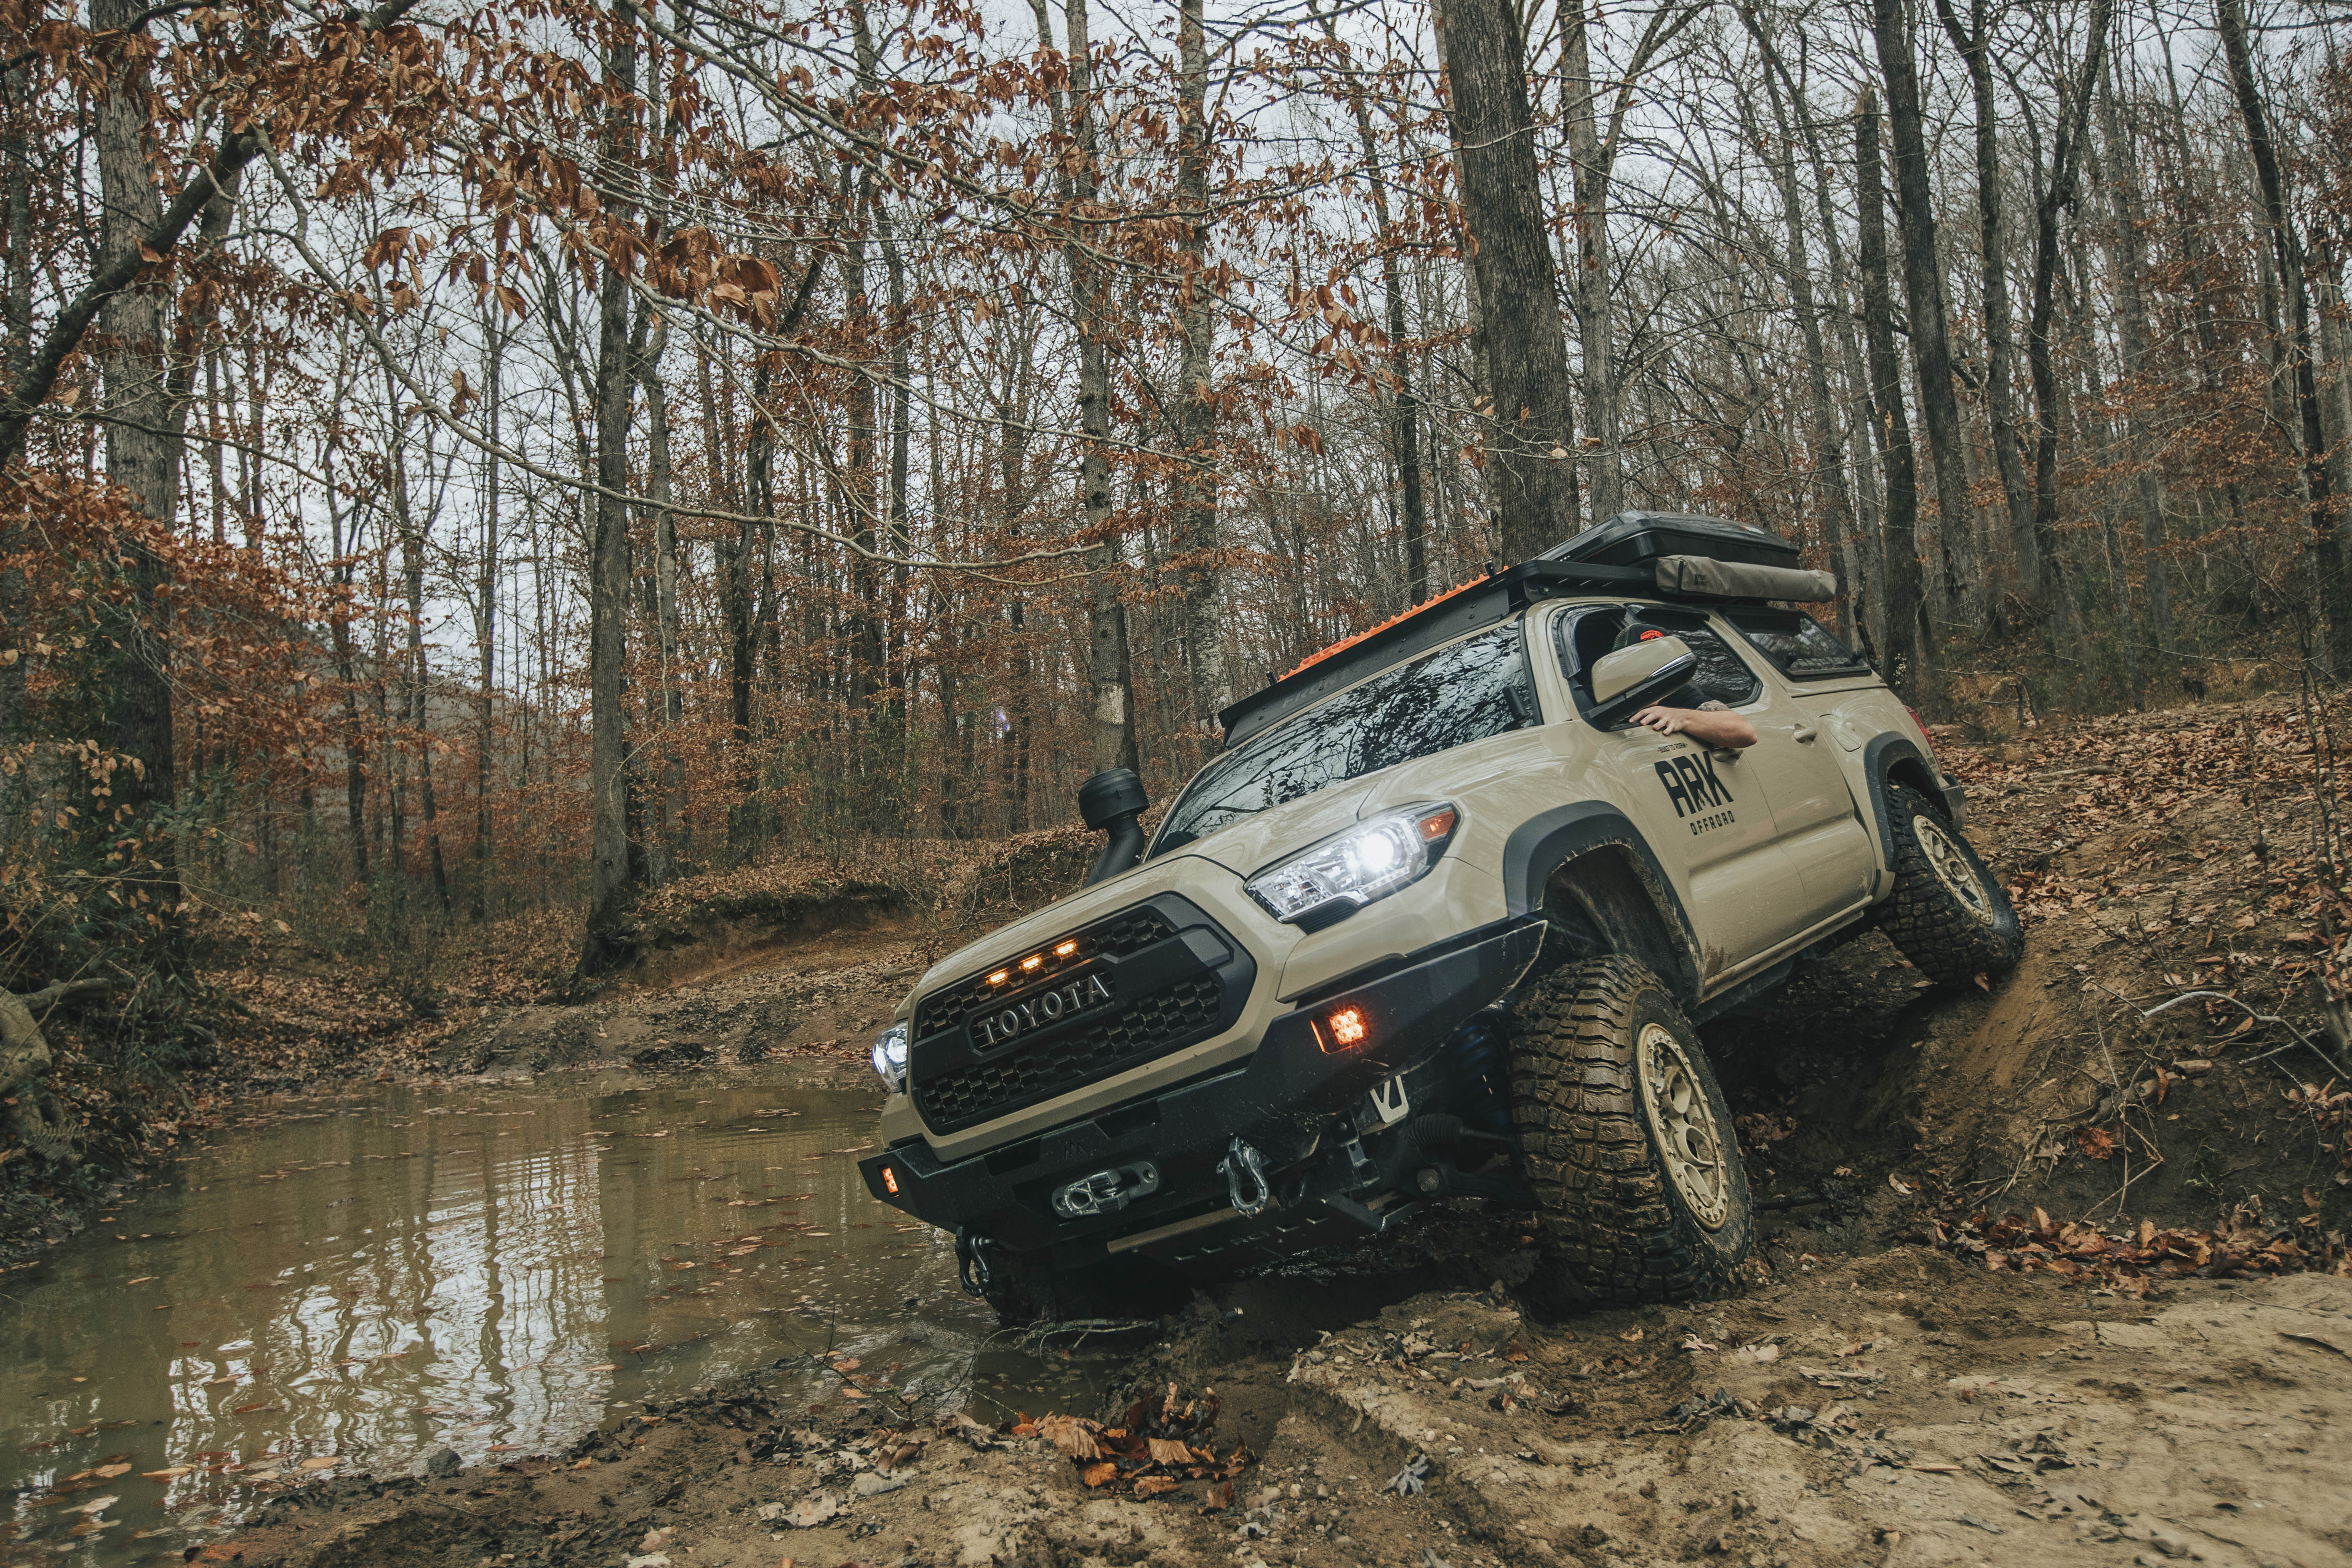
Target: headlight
{"points": [[1342, 875], [890, 1056]]}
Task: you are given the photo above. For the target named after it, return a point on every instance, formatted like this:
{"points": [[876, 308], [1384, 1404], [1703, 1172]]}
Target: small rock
{"points": [[768, 1512], [2171, 1545], [655, 1540], [650, 1560], [444, 1464], [869, 1484]]}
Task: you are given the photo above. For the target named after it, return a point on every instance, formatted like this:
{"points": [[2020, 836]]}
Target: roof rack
{"points": [[1467, 609], [1638, 554]]}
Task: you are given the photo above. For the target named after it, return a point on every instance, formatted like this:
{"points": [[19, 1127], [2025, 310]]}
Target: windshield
{"points": [[1465, 691]]}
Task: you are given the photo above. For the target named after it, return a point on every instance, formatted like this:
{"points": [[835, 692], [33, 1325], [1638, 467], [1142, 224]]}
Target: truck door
{"points": [[1704, 814], [1798, 757]]}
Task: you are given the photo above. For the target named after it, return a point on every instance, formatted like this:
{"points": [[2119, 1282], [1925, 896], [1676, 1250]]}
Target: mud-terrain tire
{"points": [[1028, 1290], [1949, 913], [1626, 1140]]}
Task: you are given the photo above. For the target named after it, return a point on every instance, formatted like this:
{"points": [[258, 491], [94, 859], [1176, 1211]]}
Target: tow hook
{"points": [[971, 1260], [1244, 1168]]}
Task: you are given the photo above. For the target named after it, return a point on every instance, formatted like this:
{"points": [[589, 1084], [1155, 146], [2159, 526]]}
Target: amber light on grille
{"points": [[1064, 950], [1347, 1027]]}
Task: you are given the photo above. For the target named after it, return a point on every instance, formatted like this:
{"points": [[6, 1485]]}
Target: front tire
{"points": [[1626, 1140], [1949, 914], [1026, 1289]]}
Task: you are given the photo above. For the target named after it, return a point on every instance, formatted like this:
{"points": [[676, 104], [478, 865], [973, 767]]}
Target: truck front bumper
{"points": [[1281, 1101]]}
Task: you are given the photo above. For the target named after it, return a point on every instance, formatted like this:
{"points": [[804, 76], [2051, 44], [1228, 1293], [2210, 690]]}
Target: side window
{"points": [[1721, 676], [1798, 647], [1586, 638]]}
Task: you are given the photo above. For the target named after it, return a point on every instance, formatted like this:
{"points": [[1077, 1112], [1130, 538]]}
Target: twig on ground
{"points": [[2301, 1038]]}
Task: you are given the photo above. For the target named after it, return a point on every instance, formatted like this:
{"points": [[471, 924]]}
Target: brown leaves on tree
{"points": [[1162, 1444]]}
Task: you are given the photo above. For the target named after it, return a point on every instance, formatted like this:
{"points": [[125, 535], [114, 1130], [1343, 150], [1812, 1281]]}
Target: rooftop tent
{"points": [[1633, 537]]}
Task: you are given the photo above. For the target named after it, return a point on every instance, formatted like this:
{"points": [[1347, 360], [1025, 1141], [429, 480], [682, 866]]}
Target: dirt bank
{"points": [[1906, 1408]]}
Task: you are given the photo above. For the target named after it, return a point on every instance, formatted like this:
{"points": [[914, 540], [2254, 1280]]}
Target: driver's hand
{"points": [[1664, 721]]}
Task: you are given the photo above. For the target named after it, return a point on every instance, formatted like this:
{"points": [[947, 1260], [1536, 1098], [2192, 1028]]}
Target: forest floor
{"points": [[2052, 1271]]}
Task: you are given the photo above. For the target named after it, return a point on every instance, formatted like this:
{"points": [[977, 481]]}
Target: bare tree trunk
{"points": [[1196, 408], [1923, 290], [1869, 565], [1975, 43], [2129, 262], [613, 869], [1404, 407], [2286, 249], [1829, 450], [486, 623], [143, 446], [662, 846], [2056, 197], [864, 577], [16, 169], [1596, 318], [1909, 640], [1108, 669], [1528, 436], [342, 597], [413, 710], [902, 439], [661, 843]]}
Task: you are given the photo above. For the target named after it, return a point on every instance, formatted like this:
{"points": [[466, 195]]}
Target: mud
{"points": [[1900, 1409]]}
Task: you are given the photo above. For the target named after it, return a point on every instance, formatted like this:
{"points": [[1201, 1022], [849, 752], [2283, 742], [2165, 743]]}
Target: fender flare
{"points": [[1879, 757], [1542, 843]]}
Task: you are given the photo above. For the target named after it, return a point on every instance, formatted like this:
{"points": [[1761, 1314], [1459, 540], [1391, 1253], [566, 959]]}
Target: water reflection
{"points": [[357, 1285]]}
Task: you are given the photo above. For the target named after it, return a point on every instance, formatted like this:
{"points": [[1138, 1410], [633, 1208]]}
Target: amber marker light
{"points": [[1000, 977], [1032, 961], [1348, 1025], [1066, 948], [1437, 825], [890, 1181]]}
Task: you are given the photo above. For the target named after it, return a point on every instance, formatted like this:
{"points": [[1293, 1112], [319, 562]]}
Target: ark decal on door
{"points": [[1696, 791]]}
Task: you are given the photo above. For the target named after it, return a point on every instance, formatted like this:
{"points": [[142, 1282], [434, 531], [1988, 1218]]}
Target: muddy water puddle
{"points": [[325, 1287]]}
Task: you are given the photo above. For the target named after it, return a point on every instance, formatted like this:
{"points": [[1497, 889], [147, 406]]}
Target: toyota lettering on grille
{"points": [[1046, 1007]]}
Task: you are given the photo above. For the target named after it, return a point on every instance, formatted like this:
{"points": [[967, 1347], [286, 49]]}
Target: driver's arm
{"points": [[1711, 726]]}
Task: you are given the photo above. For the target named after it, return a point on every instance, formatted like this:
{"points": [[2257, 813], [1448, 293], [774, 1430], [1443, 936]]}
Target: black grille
{"points": [[1132, 932], [1139, 1030]]}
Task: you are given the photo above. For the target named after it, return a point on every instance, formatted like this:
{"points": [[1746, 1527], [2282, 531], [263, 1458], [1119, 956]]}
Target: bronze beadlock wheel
{"points": [[1689, 1140], [1625, 1140], [1948, 913]]}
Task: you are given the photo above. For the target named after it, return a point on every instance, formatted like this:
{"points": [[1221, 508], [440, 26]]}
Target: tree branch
{"points": [[155, 247]]}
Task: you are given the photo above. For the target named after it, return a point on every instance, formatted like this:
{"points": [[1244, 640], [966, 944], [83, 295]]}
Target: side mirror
{"points": [[1630, 679], [1109, 802]]}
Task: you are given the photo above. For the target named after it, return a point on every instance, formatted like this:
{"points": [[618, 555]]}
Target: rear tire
{"points": [[1626, 1140], [1949, 914]]}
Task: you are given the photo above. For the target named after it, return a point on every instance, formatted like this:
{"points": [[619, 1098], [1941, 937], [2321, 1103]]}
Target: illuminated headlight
{"points": [[1342, 875], [890, 1056]]}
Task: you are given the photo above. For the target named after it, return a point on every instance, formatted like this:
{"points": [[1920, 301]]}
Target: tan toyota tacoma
{"points": [[1439, 922]]}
